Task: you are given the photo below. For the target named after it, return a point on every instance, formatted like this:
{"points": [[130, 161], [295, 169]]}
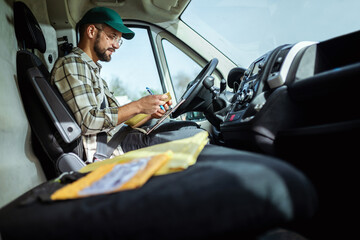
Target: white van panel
{"points": [[19, 168]]}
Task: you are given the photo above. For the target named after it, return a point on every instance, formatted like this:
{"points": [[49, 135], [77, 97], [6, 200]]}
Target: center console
{"points": [[248, 123]]}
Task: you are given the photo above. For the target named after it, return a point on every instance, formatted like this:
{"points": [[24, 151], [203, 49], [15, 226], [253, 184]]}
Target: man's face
{"points": [[106, 43]]}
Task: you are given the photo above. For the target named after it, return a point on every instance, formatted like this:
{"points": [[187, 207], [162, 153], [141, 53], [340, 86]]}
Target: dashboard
{"points": [[247, 123], [305, 89]]}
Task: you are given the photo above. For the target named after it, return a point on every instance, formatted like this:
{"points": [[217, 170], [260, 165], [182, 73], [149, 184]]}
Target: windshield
{"points": [[245, 30]]}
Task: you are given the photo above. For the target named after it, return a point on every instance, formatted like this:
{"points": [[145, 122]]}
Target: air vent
{"points": [[279, 60], [283, 63]]}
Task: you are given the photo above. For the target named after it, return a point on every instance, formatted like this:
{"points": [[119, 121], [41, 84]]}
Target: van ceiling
{"points": [[66, 13]]}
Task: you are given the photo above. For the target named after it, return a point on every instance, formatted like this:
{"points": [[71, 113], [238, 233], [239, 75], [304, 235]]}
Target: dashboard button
{"points": [[233, 117]]}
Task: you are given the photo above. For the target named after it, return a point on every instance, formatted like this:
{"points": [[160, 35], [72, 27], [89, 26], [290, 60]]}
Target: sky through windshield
{"points": [[245, 30]]}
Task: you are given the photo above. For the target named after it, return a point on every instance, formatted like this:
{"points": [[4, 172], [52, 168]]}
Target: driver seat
{"points": [[56, 136]]}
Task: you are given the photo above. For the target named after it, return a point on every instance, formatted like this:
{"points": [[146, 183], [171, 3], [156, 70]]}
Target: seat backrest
{"points": [[51, 121]]}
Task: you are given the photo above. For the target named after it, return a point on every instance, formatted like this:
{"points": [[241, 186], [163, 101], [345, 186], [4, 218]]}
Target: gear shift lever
{"points": [[222, 85], [209, 84], [220, 105], [218, 101]]}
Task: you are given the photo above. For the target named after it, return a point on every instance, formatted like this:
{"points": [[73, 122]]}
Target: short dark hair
{"points": [[83, 27]]}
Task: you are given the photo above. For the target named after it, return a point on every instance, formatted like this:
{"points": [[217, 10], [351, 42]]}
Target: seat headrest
{"points": [[234, 76], [27, 28]]}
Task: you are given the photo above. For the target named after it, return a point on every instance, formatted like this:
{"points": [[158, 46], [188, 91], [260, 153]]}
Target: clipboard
{"points": [[168, 112]]}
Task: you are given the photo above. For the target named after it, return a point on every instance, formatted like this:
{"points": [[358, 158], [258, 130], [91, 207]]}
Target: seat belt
{"points": [[117, 139], [104, 149], [101, 140]]}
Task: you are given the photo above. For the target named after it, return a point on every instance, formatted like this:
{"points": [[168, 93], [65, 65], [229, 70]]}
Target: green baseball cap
{"points": [[109, 17]]}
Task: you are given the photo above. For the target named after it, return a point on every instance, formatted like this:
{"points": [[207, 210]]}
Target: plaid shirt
{"points": [[78, 79]]}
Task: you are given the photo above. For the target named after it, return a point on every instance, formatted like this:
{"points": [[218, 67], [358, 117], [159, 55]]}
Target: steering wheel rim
{"points": [[195, 87]]}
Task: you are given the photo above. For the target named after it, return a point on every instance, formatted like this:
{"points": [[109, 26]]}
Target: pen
{"points": [[151, 93]]}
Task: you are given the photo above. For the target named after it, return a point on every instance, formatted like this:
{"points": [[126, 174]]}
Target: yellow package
{"points": [[185, 152], [114, 177], [137, 120]]}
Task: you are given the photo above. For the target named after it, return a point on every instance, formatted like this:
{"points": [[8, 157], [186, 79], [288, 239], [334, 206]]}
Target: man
{"points": [[77, 76]]}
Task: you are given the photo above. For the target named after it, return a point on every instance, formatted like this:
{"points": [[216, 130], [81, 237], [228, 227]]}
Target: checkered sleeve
{"points": [[79, 87]]}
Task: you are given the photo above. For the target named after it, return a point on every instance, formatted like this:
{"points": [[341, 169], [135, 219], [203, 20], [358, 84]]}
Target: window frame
{"points": [[156, 36], [147, 27]]}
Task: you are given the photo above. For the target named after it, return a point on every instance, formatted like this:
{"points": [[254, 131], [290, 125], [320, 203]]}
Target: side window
{"points": [[181, 67], [132, 68], [182, 70]]}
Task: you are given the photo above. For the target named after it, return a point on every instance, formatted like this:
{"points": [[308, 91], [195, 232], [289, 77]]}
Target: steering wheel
{"points": [[194, 88]]}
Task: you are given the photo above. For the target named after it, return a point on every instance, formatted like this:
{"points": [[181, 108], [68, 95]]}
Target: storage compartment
{"points": [[329, 55], [338, 52], [325, 87]]}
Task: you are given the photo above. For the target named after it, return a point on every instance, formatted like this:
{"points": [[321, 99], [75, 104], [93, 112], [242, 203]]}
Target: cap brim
{"points": [[126, 32]]}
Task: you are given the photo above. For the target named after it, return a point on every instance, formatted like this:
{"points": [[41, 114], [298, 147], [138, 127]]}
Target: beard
{"points": [[100, 52]]}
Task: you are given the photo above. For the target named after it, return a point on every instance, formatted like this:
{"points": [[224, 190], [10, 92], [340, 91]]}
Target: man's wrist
{"points": [[128, 111], [136, 107]]}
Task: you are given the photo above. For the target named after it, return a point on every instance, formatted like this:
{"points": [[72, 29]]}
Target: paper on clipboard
{"points": [[164, 117]]}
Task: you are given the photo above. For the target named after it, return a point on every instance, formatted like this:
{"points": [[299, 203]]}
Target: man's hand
{"points": [[148, 105], [159, 113], [151, 104]]}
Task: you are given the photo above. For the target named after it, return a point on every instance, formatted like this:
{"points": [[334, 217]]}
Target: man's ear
{"points": [[91, 31]]}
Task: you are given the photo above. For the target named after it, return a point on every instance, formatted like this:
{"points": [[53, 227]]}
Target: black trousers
{"points": [[164, 133]]}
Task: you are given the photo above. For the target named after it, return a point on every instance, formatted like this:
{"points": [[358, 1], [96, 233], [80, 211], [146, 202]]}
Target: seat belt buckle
{"points": [[98, 157]]}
